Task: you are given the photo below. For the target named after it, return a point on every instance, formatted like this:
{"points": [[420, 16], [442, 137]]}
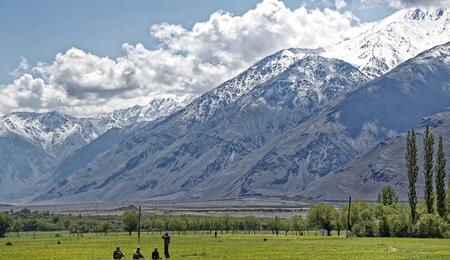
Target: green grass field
{"points": [[241, 246]]}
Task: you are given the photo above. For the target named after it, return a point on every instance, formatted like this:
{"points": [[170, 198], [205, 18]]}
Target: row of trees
{"points": [[225, 224], [18, 222], [386, 218], [25, 220], [430, 168]]}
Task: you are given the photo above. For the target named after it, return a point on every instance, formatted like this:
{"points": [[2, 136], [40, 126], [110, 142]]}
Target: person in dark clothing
{"points": [[137, 254], [118, 254], [215, 234], [166, 238], [155, 254]]}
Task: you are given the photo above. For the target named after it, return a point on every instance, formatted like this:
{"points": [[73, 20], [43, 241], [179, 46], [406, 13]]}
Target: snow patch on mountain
{"points": [[137, 114], [394, 40], [57, 134], [34, 144], [213, 101], [168, 157]]}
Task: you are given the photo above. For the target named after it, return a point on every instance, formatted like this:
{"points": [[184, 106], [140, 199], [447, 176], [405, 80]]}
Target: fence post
{"points": [[139, 225], [348, 215]]}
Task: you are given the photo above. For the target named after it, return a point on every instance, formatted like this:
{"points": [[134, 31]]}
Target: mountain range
{"points": [[33, 144], [321, 124]]}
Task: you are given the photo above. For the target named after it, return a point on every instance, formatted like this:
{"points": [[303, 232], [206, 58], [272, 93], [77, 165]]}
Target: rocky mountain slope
{"points": [[138, 114], [175, 156], [33, 144], [383, 165], [275, 140], [381, 109]]}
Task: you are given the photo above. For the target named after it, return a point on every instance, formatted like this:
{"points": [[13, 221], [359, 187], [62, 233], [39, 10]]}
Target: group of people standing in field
{"points": [[118, 254]]}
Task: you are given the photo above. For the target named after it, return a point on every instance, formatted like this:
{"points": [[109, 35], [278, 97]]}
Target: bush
{"points": [[357, 230], [399, 223], [430, 225], [130, 221], [363, 220], [384, 228], [5, 223], [9, 243], [387, 196], [322, 216], [393, 221]]}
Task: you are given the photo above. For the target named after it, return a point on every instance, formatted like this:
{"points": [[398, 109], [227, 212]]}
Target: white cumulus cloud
{"points": [[187, 62]]}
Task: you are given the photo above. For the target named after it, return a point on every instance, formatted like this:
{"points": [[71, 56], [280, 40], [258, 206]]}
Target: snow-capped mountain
{"points": [[57, 134], [169, 157], [288, 120], [215, 100], [382, 108], [394, 39], [274, 140], [33, 144]]}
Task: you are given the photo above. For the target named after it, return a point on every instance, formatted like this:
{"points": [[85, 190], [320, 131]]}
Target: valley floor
{"points": [[264, 208], [231, 246]]}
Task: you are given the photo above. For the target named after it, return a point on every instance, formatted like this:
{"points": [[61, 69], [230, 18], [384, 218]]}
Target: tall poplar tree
{"points": [[412, 171], [428, 144], [440, 179]]}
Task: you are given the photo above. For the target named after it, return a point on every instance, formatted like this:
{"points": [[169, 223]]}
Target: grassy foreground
{"points": [[240, 246]]}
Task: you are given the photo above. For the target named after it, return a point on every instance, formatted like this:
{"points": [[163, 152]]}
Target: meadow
{"points": [[44, 245]]}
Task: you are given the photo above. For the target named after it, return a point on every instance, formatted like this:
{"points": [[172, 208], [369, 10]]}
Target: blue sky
{"points": [[37, 30]]}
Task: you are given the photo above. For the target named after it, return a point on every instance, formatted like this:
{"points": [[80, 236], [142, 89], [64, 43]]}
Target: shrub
{"points": [[357, 230], [322, 216], [130, 221], [9, 243], [384, 228], [387, 196], [430, 225], [399, 223], [363, 220], [394, 221], [5, 223]]}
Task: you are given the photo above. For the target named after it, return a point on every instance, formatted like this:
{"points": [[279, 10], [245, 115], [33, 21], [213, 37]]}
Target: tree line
{"points": [[386, 218], [27, 221], [435, 197]]}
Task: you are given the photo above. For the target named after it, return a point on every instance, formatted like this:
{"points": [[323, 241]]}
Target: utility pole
{"points": [[139, 225], [348, 214]]}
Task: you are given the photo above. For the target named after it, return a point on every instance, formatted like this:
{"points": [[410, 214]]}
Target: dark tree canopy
{"points": [[130, 221], [428, 144], [387, 196], [5, 223], [440, 179], [412, 172], [322, 216]]}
